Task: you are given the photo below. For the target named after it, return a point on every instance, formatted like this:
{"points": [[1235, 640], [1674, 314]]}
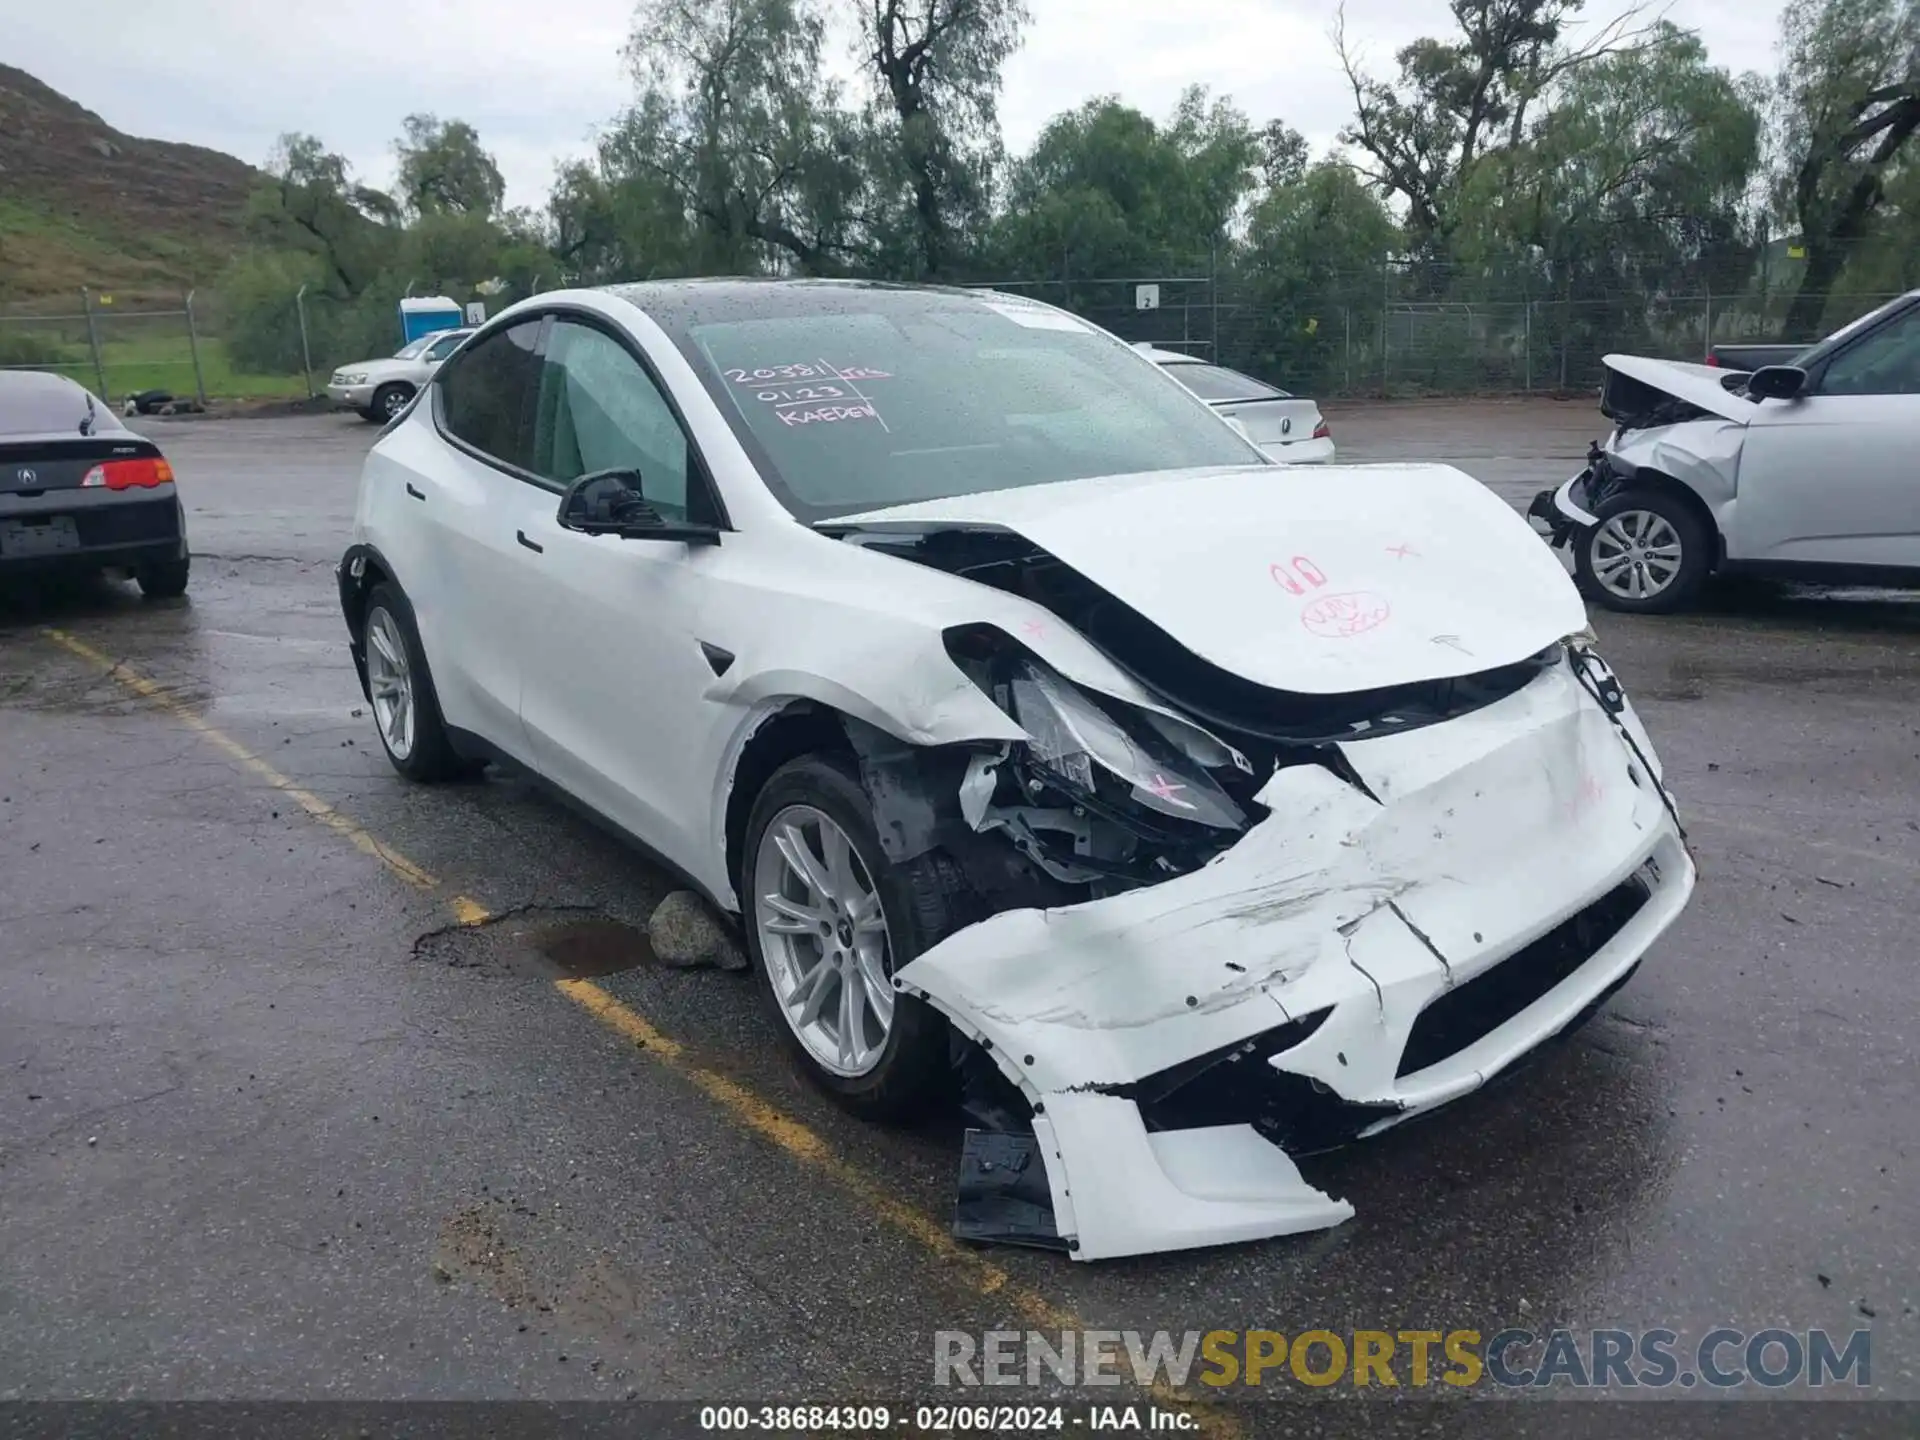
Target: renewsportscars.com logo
{"points": [[1721, 1359]]}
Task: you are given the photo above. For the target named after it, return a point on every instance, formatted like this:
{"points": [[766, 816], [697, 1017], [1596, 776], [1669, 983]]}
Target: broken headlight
{"points": [[1077, 741]]}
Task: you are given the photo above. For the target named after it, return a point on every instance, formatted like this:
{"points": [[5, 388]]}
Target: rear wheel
{"points": [[829, 921], [163, 579], [1649, 555], [406, 712]]}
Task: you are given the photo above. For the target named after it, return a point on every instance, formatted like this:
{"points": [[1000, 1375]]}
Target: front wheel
{"points": [[389, 401], [1650, 554], [829, 921]]}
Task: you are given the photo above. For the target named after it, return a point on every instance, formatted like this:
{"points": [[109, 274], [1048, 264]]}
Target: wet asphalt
{"points": [[273, 1124]]}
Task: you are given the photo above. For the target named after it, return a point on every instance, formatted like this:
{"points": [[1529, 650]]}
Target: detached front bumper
{"points": [[1357, 959]]}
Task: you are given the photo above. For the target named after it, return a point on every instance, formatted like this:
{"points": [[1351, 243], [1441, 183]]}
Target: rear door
{"points": [[1831, 477]]}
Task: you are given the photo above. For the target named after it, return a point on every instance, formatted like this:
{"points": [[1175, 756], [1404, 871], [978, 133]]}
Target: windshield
{"points": [[856, 398], [1819, 351], [415, 349], [1213, 383]]}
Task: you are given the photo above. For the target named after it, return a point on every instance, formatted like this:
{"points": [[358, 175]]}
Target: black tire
{"points": [[164, 579], [389, 401], [431, 758], [915, 1071], [1697, 552]]}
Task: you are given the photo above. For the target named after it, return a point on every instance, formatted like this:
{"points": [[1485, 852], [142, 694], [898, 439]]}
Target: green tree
{"points": [[1105, 192], [1312, 258], [1634, 186], [1849, 97], [734, 122], [311, 203], [444, 170], [1456, 102], [936, 69]]}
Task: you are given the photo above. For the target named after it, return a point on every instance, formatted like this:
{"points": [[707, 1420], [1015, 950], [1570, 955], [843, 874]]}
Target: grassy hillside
{"points": [[83, 204]]}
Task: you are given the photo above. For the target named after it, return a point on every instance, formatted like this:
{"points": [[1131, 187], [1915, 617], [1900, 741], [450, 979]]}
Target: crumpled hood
{"points": [[1701, 385], [1326, 581]]}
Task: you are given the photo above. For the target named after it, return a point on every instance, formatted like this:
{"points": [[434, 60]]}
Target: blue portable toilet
{"points": [[422, 315]]}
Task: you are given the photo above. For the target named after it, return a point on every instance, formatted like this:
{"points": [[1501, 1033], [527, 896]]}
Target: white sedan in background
{"points": [[1287, 427], [1044, 745], [381, 389]]}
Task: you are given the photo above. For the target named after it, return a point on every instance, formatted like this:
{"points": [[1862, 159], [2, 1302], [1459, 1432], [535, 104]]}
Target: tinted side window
{"points": [[598, 409], [1887, 362], [484, 395]]}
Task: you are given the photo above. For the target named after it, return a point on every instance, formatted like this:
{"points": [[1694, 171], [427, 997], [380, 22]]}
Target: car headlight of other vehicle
{"points": [[1077, 740], [351, 377]]}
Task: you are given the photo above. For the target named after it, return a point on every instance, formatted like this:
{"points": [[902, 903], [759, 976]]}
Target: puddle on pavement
{"points": [[588, 949], [542, 944]]}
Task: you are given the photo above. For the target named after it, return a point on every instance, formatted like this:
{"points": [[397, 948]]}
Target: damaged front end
{"points": [[1672, 422], [1199, 953]]}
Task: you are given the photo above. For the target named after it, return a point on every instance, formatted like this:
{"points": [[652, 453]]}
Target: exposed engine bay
{"points": [[1108, 796]]}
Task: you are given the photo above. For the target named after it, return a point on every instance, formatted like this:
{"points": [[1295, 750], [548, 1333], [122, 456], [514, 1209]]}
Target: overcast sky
{"points": [[536, 79]]}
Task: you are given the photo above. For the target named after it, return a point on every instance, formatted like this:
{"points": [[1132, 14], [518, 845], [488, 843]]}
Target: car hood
{"points": [[1352, 577], [378, 369], [1698, 385]]}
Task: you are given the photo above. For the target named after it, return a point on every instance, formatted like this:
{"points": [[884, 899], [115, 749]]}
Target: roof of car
{"points": [[38, 402]]}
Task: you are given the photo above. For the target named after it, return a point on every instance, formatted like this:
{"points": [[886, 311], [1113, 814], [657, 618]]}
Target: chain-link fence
{"points": [[1365, 334], [115, 345]]}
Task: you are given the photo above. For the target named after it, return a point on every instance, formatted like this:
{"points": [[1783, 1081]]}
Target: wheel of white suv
{"points": [[406, 711], [828, 921], [1649, 555], [389, 401]]}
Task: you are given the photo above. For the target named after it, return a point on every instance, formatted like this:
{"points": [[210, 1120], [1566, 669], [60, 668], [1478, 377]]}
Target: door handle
{"points": [[521, 536], [416, 494]]}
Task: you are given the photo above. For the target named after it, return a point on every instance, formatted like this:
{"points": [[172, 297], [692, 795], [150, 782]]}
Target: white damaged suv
{"points": [[1808, 471], [1047, 739]]}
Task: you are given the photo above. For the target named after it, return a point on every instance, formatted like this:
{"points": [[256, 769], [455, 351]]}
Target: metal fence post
{"points": [[193, 344], [1346, 312], [306, 354], [1707, 341], [1529, 332], [93, 344], [1386, 313]]}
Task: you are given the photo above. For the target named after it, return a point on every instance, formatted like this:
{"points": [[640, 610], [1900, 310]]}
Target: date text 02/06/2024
{"points": [[942, 1419]]}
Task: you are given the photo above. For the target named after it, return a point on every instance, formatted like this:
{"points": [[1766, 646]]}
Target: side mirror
{"points": [[1777, 382], [610, 502]]}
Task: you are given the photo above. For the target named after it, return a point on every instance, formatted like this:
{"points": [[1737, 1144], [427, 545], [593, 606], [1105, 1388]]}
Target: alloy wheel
{"points": [[390, 681], [1635, 554], [823, 936]]}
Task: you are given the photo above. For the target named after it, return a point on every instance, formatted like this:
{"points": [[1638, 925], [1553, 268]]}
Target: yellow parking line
{"points": [[803, 1144], [158, 695], [810, 1148]]}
